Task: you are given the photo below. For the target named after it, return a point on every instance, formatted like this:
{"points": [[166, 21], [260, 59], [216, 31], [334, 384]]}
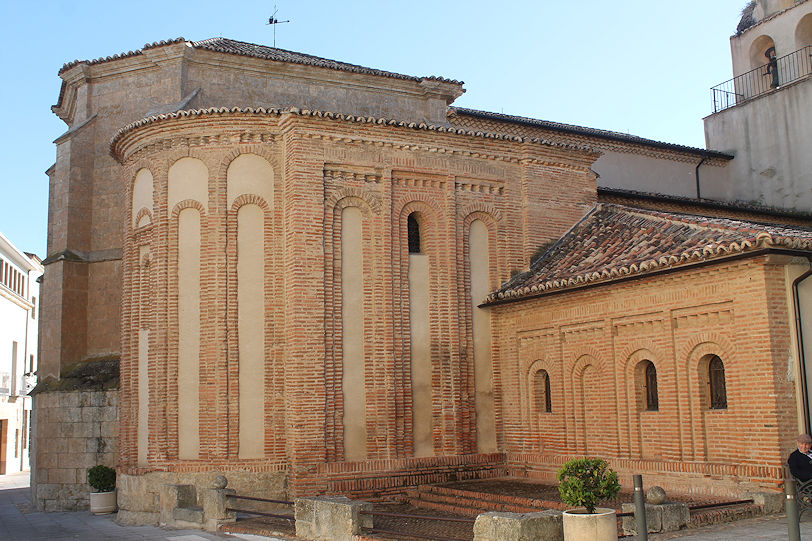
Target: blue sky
{"points": [[641, 67]]}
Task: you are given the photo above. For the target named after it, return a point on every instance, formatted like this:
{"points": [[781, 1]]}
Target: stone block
{"points": [[675, 516], [173, 497], [71, 415], [770, 502], [329, 518], [76, 445], [42, 475], [48, 460], [495, 526], [91, 415], [188, 515], [47, 491], [62, 476], [109, 429], [666, 517]]}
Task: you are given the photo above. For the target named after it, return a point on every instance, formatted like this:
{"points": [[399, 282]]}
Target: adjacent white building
{"points": [[19, 313]]}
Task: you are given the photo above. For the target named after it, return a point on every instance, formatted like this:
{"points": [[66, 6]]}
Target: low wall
{"points": [[139, 496], [73, 431]]}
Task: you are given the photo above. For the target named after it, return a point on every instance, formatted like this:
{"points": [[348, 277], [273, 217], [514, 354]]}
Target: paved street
{"points": [[19, 521], [772, 528]]}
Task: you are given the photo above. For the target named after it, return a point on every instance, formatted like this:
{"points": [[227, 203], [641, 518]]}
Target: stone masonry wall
{"points": [[76, 430]]}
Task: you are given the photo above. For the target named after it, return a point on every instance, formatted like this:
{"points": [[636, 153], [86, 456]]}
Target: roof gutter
{"points": [[703, 160], [799, 333]]}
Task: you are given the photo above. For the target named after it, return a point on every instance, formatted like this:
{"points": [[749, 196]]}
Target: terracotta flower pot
{"points": [[102, 503], [582, 526]]}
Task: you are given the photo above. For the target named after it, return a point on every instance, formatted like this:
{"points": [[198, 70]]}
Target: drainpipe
{"points": [[703, 160], [799, 333]]}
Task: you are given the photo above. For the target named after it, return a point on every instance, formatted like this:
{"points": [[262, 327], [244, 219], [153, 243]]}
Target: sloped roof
{"points": [[241, 48], [614, 242], [580, 130]]}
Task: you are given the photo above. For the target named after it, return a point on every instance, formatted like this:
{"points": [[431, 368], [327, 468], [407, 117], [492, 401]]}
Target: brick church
{"points": [[321, 278]]}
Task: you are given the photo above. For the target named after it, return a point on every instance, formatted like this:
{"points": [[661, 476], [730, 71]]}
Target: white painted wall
{"points": [[18, 324], [771, 139]]}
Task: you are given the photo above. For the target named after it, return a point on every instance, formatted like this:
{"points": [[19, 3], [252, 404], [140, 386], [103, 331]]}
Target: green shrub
{"points": [[583, 482], [101, 478]]}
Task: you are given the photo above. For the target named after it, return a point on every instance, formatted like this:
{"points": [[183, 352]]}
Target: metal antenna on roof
{"points": [[272, 20]]}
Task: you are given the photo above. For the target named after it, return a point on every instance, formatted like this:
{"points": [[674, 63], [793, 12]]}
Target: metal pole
{"points": [[640, 509], [793, 523]]}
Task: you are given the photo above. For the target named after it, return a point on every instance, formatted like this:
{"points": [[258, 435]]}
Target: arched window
{"points": [[803, 32], [652, 397], [716, 384], [541, 386], [413, 228]]}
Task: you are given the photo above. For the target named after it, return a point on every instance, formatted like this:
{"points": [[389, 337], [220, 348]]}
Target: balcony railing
{"points": [[763, 79]]}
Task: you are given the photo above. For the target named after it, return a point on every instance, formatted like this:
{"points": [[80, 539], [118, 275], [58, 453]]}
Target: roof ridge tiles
{"points": [[255, 50], [586, 131]]}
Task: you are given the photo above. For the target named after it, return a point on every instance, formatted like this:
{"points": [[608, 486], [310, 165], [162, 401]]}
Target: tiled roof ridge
{"points": [[759, 239], [219, 44], [583, 130], [336, 116], [211, 44], [711, 203]]}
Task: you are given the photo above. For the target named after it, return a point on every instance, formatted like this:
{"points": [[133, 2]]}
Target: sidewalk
{"points": [[19, 521], [772, 528]]}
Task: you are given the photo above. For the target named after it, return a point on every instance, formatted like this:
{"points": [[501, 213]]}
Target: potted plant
{"points": [[583, 482], [102, 480]]}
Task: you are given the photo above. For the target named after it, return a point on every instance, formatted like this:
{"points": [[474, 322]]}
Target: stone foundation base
{"points": [[139, 495]]}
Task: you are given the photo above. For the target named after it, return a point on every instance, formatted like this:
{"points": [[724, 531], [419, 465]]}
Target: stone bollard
{"points": [[543, 526], [331, 518], [214, 502]]}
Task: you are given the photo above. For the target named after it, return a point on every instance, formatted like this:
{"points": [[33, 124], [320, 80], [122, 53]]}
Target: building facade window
{"points": [[652, 396], [413, 230], [541, 387], [716, 384]]}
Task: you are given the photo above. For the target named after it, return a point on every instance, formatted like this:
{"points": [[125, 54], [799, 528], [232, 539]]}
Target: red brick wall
{"points": [[735, 310], [321, 166]]}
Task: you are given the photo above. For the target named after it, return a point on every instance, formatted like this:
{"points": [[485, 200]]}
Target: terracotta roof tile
{"points": [[614, 242], [469, 117]]}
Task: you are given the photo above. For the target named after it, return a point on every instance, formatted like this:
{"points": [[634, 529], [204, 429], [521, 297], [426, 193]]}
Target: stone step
{"points": [[471, 503], [193, 515]]}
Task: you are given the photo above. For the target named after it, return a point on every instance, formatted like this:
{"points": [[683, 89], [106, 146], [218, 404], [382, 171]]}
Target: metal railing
{"points": [[416, 535], [260, 513], [763, 79]]}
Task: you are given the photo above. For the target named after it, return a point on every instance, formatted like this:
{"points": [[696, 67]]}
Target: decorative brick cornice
{"points": [[120, 140]]}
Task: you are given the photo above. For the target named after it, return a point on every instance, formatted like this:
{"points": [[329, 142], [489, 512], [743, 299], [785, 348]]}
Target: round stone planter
{"points": [[582, 526], [102, 503]]}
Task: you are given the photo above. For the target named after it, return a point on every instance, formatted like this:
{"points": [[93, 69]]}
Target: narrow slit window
{"points": [[413, 228], [716, 383], [652, 397], [542, 391]]}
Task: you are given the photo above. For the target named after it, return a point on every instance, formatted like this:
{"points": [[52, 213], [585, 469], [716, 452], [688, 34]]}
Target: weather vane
{"points": [[272, 20]]}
